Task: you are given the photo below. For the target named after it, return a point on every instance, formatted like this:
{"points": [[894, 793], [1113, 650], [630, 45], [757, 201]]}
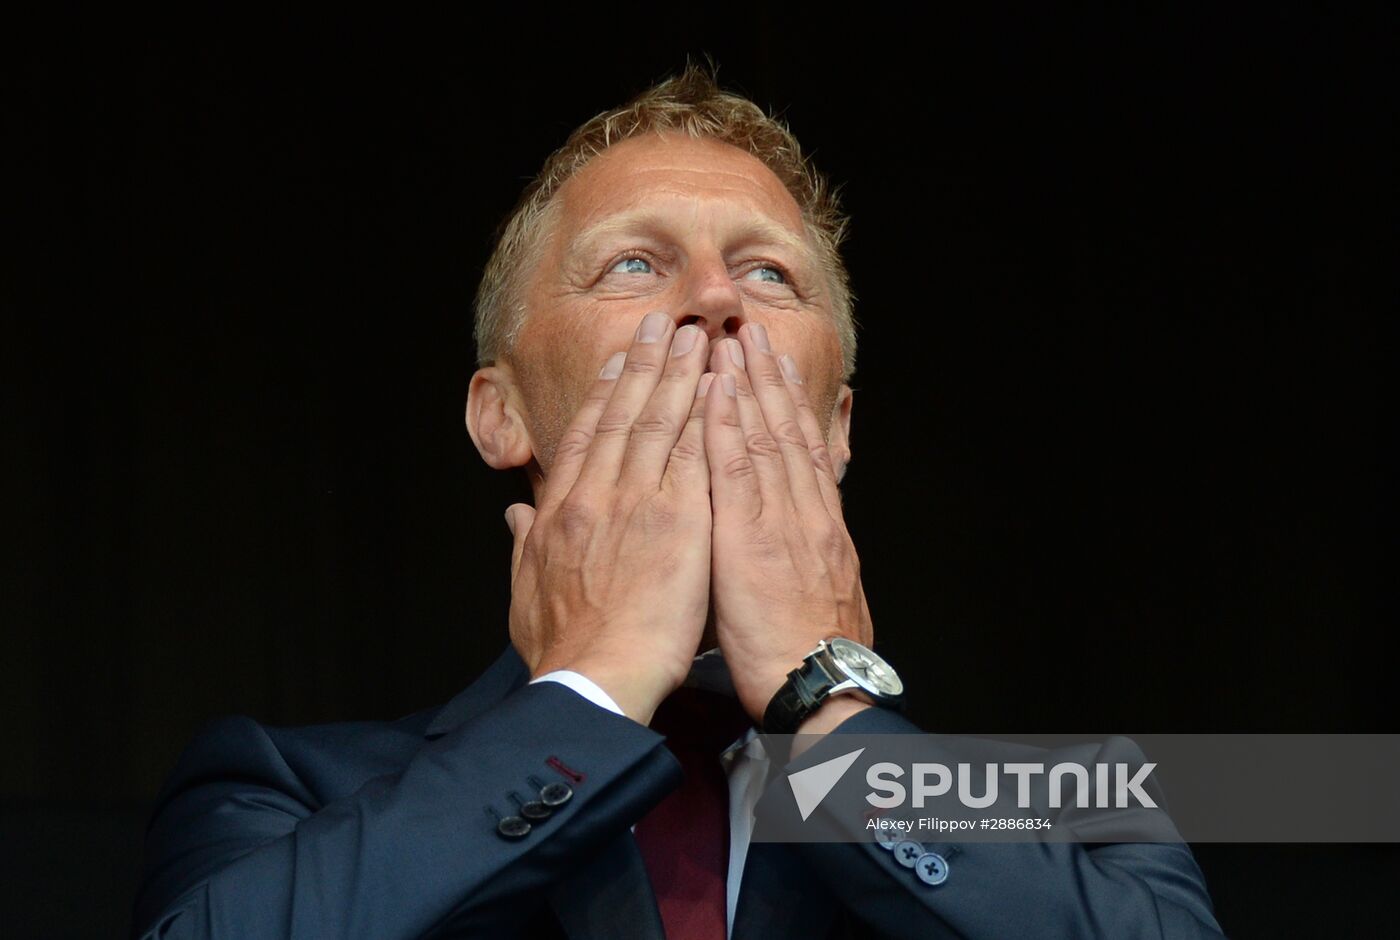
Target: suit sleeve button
{"points": [[555, 794], [931, 868], [513, 827], [886, 839], [907, 853], [535, 810]]}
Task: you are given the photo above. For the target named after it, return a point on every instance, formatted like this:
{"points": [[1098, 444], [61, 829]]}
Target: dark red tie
{"points": [[685, 838]]}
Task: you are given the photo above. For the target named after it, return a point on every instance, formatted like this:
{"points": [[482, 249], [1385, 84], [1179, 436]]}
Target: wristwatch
{"points": [[837, 665]]}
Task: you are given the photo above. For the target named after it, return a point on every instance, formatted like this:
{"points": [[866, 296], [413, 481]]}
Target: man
{"points": [[665, 337]]}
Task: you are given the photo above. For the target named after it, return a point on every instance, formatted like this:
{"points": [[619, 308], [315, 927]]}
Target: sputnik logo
{"points": [[810, 786]]}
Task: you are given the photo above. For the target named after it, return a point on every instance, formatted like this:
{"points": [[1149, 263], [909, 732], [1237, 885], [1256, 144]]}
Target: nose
{"points": [[709, 298]]}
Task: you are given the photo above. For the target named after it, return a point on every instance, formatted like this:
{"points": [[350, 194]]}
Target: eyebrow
{"points": [[759, 229]]}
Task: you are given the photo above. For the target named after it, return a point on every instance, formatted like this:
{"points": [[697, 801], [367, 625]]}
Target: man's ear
{"points": [[838, 437], [495, 419]]}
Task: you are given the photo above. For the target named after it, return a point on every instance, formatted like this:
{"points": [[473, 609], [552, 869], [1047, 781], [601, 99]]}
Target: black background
{"points": [[1118, 451]]}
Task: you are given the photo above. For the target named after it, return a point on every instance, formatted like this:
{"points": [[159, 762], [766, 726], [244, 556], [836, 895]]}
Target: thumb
{"points": [[520, 517]]}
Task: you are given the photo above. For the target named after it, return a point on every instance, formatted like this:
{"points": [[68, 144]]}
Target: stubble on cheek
{"points": [[551, 411], [554, 389]]}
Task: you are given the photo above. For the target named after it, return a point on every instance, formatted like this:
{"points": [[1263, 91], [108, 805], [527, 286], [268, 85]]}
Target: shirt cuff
{"points": [[582, 685]]}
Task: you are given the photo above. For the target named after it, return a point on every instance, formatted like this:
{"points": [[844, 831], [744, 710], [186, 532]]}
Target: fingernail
{"points": [[684, 340], [510, 519], [651, 328], [736, 352], [760, 337], [704, 386], [726, 382], [789, 369], [613, 367]]}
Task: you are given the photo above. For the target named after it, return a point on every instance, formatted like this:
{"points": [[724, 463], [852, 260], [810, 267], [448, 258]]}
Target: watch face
{"points": [[870, 671]]}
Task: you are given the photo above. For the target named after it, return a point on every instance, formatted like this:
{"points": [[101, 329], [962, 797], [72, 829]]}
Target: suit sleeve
{"points": [[583, 686], [239, 847], [1021, 889]]}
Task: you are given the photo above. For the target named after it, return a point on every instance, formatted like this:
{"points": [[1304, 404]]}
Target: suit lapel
{"points": [[609, 896], [780, 898]]}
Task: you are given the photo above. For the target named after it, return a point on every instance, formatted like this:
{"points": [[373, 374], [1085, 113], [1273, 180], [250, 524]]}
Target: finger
{"points": [[734, 489], [577, 439], [666, 414], [763, 450], [687, 467], [641, 372], [770, 390], [816, 441], [521, 518]]}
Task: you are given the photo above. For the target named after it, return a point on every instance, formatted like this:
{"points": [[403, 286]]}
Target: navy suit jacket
{"points": [[385, 830]]}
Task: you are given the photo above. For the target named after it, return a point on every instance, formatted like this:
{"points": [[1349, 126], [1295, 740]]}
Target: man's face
{"points": [[696, 228]]}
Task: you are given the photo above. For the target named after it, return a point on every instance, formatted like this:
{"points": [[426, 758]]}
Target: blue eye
{"points": [[631, 261], [781, 277]]}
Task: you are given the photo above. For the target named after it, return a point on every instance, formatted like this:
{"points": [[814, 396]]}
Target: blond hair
{"points": [[692, 103]]}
